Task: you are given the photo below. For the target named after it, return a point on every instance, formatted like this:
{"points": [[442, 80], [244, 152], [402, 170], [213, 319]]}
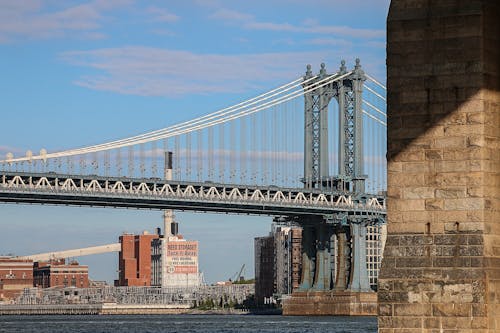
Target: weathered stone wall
{"points": [[441, 267]]}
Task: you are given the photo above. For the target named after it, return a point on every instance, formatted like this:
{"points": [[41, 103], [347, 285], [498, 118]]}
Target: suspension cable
{"points": [[169, 132], [375, 93], [375, 118], [375, 81], [375, 108]]}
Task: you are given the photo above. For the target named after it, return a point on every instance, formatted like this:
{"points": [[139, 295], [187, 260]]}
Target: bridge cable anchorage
{"points": [[181, 128], [375, 81]]}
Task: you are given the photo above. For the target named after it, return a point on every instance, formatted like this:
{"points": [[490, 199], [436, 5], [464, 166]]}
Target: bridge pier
{"points": [[441, 266], [308, 257], [323, 272], [343, 254], [350, 294]]}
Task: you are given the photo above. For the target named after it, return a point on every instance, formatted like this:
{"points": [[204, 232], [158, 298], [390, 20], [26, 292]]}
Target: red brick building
{"points": [[296, 257], [134, 261], [15, 275], [56, 273]]}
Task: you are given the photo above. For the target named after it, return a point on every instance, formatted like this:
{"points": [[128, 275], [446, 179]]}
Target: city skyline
{"points": [[90, 72]]}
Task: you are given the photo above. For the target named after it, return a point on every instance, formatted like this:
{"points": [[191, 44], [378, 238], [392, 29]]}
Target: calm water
{"points": [[185, 323]]}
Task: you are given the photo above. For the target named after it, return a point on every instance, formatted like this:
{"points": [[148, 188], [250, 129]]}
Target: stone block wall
{"points": [[441, 267]]}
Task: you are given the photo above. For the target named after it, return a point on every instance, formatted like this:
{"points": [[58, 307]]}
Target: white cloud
{"points": [[163, 32], [310, 26], [9, 149], [345, 31], [162, 15], [230, 15], [150, 71], [330, 42], [35, 19]]}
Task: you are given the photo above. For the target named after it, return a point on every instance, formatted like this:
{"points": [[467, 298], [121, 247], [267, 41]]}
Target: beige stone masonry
{"points": [[441, 267]]}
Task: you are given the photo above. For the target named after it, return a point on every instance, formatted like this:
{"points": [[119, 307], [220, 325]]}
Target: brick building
{"points": [[15, 275], [287, 258], [278, 262], [134, 261], [56, 273]]}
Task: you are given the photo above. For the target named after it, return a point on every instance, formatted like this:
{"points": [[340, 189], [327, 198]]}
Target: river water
{"points": [[185, 324]]}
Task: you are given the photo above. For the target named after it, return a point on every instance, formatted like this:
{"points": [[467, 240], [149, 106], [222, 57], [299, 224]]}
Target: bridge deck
{"points": [[154, 193]]}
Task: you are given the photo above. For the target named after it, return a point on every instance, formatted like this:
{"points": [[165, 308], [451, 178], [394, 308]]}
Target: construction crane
{"points": [[236, 277]]}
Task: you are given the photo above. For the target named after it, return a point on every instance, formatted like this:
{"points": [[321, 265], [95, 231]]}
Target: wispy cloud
{"points": [[163, 72], [162, 15], [35, 19], [8, 149], [225, 14], [330, 42], [163, 32], [248, 21]]}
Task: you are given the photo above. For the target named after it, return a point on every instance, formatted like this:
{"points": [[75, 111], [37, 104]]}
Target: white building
{"points": [[375, 243], [174, 263]]}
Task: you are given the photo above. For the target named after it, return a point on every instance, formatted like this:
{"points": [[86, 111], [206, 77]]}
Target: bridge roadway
{"points": [[156, 193]]}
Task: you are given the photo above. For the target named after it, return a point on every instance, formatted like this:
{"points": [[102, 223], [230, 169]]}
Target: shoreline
{"points": [[123, 309]]}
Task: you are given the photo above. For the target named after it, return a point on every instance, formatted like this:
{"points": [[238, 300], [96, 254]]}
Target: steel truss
{"points": [[168, 194]]}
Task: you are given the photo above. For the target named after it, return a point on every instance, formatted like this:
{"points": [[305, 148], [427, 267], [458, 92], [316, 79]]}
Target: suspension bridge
{"points": [[288, 153]]}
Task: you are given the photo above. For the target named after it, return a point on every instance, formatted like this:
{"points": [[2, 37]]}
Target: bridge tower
{"points": [[341, 233], [348, 94]]}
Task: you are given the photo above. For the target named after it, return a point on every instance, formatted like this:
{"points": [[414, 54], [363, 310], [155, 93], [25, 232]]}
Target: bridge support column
{"points": [[342, 257], [323, 275], [308, 257], [359, 272], [321, 300]]}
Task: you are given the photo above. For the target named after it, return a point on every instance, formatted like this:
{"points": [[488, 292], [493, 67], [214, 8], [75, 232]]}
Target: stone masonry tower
{"points": [[441, 266]]}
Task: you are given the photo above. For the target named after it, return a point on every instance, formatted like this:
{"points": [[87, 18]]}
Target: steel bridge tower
{"points": [[347, 231]]}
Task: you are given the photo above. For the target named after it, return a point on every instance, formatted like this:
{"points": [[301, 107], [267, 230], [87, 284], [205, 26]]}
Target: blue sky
{"points": [[76, 73]]}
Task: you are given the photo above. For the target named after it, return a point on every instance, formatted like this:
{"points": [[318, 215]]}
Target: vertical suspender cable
{"points": [[107, 165], [177, 167], [232, 152], [142, 164], [199, 157], [243, 150], [164, 156], [119, 162], [131, 161], [211, 153], [189, 163], [253, 151], [222, 154], [154, 159], [263, 148]]}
